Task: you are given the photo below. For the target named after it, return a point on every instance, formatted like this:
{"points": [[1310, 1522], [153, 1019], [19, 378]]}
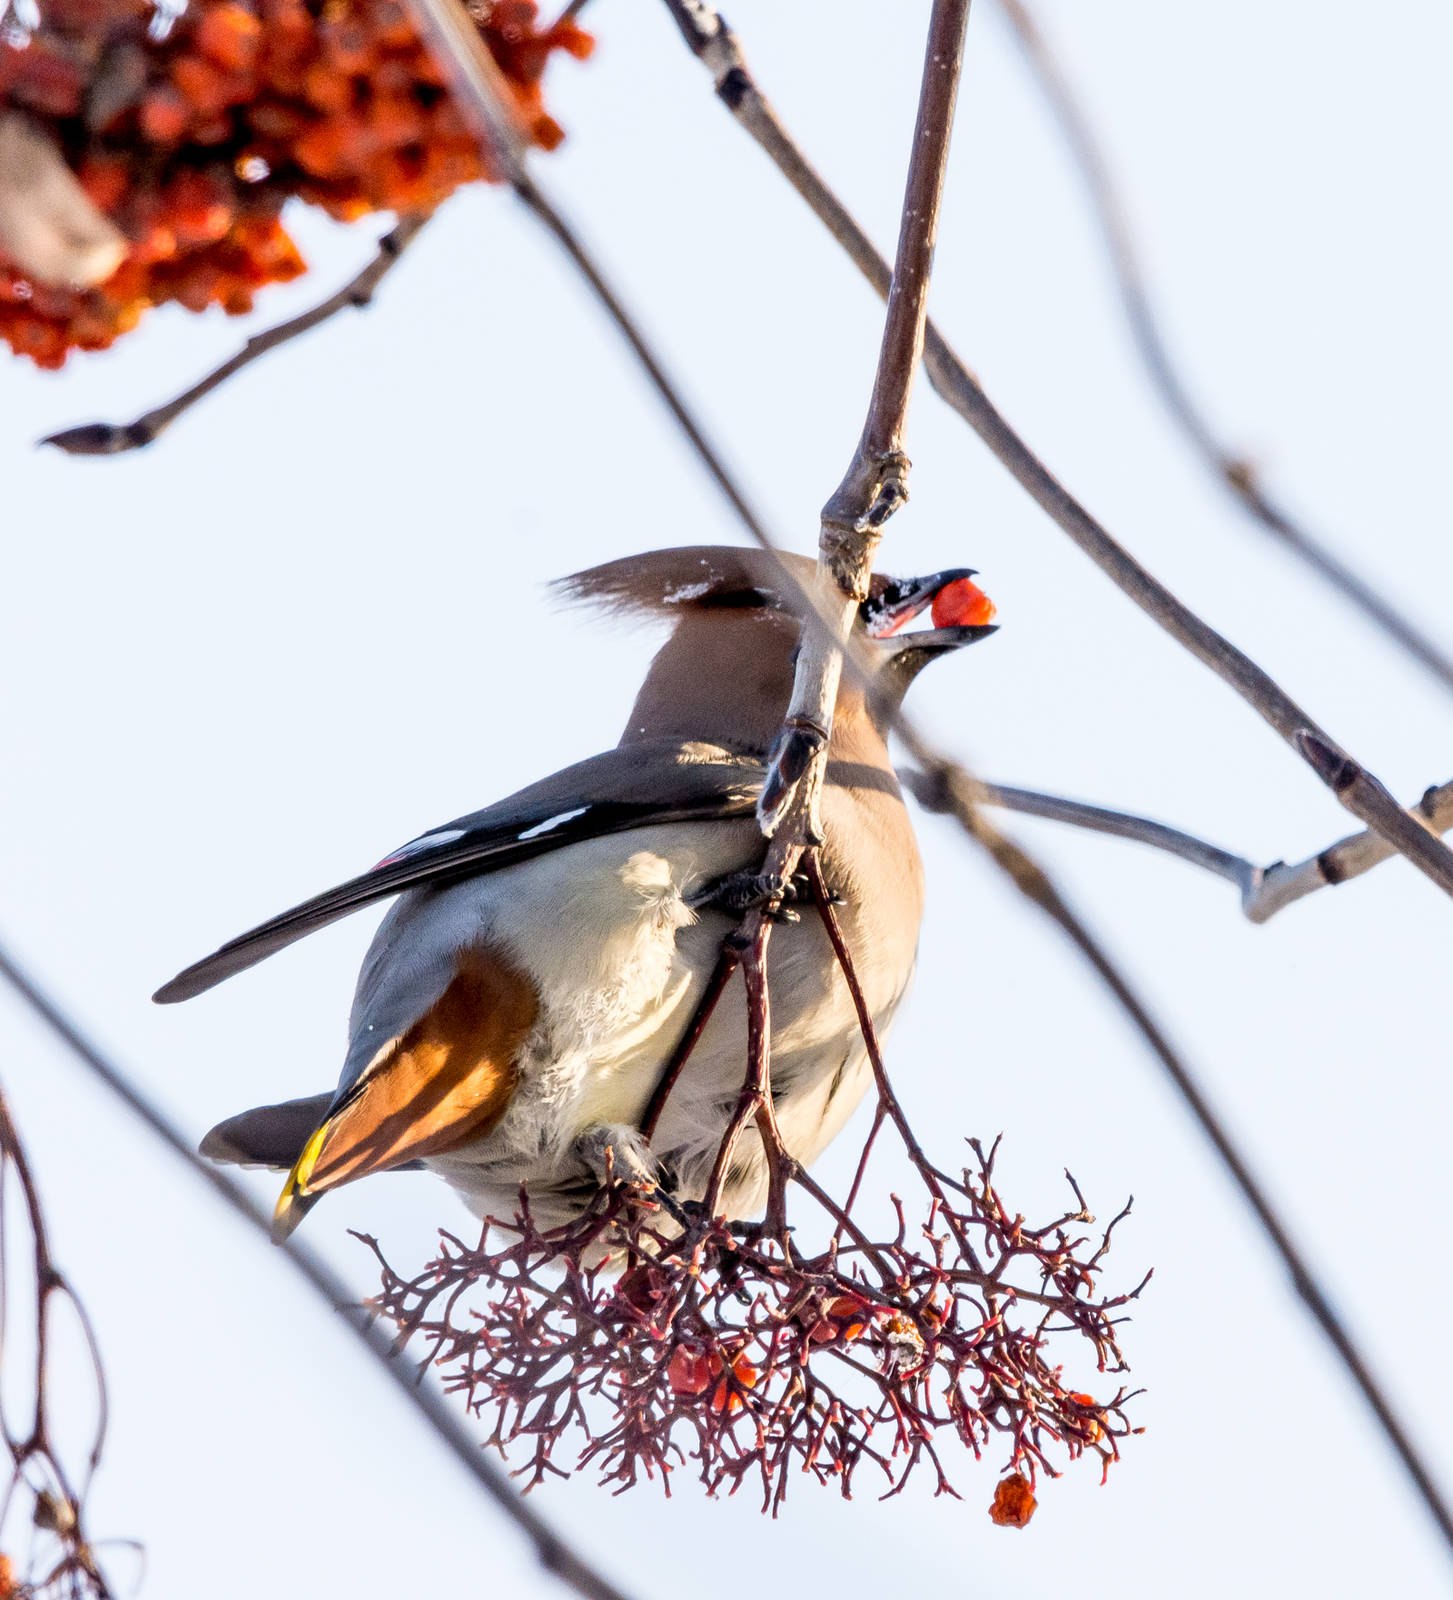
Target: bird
{"points": [[543, 956]]}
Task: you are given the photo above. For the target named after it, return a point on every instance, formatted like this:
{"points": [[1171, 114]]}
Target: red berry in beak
{"points": [[962, 604]]}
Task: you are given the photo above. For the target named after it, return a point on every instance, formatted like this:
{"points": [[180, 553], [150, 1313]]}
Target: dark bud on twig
{"points": [[101, 439], [891, 493], [1333, 766]]}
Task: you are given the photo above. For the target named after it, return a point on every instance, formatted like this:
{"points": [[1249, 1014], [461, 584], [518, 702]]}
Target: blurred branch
{"points": [[478, 86], [1231, 470], [556, 1554], [475, 79], [57, 1504], [1264, 890], [1097, 819], [1355, 787], [112, 438], [958, 795], [717, 48]]}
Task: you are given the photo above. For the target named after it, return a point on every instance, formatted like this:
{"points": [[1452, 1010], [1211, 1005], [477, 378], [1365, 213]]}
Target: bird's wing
{"points": [[640, 785], [445, 1082]]}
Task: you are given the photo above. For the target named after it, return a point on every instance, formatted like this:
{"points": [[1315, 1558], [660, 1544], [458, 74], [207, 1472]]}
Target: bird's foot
{"points": [[737, 893], [617, 1153]]}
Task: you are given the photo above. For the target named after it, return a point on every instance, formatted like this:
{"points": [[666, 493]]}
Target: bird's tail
{"points": [[279, 1137], [267, 1136]]}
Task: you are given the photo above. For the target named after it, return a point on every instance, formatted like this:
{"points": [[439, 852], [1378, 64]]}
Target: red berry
{"points": [[962, 604]]}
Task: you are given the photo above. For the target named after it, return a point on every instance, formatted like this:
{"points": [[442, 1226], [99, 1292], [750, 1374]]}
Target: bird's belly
{"points": [[608, 938], [575, 1079], [620, 962]]}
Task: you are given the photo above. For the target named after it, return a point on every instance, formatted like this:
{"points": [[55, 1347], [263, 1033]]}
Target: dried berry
{"points": [[1014, 1502]]}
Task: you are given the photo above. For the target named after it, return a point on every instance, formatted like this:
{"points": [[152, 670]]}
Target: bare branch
{"points": [[1097, 819], [554, 1551], [1264, 890], [1281, 884], [876, 481], [112, 438], [476, 83], [961, 797], [58, 1505], [874, 485], [1231, 470], [1356, 788]]}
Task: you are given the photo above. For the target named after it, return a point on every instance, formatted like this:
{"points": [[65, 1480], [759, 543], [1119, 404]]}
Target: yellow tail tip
{"points": [[294, 1203], [290, 1210]]}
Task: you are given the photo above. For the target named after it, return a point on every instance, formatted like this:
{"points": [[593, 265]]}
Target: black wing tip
{"points": [[186, 985]]}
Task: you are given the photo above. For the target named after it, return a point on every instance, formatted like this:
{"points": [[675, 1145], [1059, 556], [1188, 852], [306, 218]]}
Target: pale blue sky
{"points": [[310, 623]]}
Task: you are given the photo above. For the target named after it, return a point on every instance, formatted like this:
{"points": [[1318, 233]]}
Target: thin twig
{"points": [[728, 960], [555, 1553], [1231, 469], [476, 72], [1119, 824], [1355, 787], [873, 487], [887, 1097], [876, 481], [482, 95], [476, 82], [112, 438], [961, 799], [1264, 890], [59, 1505], [1281, 884]]}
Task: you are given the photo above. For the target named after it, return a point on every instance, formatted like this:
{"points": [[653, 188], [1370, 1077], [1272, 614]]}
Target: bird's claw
{"points": [[776, 896]]}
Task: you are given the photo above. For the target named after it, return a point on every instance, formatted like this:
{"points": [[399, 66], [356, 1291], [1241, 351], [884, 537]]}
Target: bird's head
{"points": [[959, 612], [726, 671]]}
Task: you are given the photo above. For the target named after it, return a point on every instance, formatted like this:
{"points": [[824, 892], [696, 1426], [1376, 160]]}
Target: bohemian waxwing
{"points": [[523, 994]]}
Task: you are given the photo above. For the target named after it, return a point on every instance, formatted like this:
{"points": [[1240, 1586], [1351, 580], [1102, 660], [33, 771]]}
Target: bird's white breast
{"points": [[619, 961]]}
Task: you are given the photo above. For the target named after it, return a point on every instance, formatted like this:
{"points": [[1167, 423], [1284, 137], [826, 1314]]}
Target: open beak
{"points": [[906, 598], [928, 642]]}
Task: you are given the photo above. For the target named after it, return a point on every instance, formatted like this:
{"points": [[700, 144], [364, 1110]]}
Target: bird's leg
{"points": [[754, 1102]]}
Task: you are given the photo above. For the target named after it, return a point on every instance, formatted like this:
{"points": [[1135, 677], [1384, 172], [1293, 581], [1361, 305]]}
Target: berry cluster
{"points": [[191, 142], [622, 1343]]}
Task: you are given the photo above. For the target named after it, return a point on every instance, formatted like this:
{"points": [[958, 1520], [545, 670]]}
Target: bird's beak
{"points": [[935, 641], [905, 598]]}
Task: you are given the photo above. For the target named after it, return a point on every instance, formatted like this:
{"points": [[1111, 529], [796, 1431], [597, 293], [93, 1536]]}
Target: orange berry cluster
{"points": [[190, 139]]}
